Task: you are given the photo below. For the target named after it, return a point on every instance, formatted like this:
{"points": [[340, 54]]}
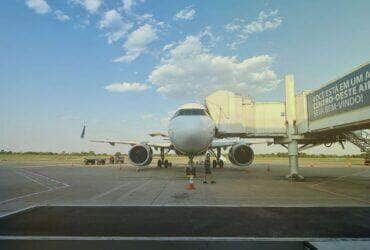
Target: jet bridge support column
{"points": [[290, 113], [293, 160]]}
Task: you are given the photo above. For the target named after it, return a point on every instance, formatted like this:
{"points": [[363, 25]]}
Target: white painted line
{"points": [[341, 177], [339, 194], [31, 179], [168, 183], [205, 205], [46, 177], [315, 187], [24, 196], [18, 211], [49, 189], [31, 194], [110, 191], [175, 238], [135, 189]]}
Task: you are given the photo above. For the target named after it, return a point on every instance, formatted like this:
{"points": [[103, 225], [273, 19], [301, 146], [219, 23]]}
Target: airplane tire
{"points": [[188, 171], [221, 163], [166, 164], [159, 163], [214, 163]]}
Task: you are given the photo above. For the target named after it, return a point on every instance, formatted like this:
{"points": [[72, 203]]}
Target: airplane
{"points": [[191, 132]]}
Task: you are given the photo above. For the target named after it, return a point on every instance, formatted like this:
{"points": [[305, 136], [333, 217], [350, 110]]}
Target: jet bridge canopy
{"points": [[340, 105], [324, 115], [236, 115]]}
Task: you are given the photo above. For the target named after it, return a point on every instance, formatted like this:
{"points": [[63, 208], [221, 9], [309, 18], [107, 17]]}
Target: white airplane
{"points": [[191, 132]]}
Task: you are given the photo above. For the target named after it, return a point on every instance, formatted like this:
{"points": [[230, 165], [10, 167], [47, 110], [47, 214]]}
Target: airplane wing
{"points": [[113, 143], [165, 144], [233, 141], [132, 143], [158, 134]]}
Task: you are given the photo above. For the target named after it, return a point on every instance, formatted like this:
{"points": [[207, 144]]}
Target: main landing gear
{"points": [[190, 169], [162, 162], [218, 161]]}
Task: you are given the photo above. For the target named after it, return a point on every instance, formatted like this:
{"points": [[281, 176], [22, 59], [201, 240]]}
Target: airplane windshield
{"points": [[190, 112]]}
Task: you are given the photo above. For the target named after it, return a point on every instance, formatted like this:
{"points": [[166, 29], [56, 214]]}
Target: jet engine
{"points": [[241, 155], [141, 155]]}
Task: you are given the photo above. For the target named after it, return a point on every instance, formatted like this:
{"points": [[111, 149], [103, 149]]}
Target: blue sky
{"points": [[122, 66]]}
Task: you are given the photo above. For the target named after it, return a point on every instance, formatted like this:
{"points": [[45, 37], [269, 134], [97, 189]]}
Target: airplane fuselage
{"points": [[191, 131]]}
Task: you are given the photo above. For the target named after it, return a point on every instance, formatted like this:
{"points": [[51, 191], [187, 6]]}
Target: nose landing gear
{"points": [[219, 163], [162, 161], [190, 169]]}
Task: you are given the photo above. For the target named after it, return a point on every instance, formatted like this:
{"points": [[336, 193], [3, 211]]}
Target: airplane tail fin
{"points": [[83, 132]]}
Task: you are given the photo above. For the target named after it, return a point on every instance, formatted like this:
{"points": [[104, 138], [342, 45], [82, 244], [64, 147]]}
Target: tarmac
{"points": [[258, 185], [115, 207]]}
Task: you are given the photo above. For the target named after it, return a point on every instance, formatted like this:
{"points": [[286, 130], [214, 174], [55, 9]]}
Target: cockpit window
{"points": [[190, 112]]}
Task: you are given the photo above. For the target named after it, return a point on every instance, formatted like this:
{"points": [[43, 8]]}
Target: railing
{"points": [[366, 134], [360, 141]]}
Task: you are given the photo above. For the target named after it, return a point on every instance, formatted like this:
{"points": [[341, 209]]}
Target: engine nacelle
{"points": [[241, 155], [140, 155]]}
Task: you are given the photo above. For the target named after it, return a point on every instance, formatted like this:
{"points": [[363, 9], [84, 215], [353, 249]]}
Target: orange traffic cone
{"points": [[190, 185], [311, 165]]}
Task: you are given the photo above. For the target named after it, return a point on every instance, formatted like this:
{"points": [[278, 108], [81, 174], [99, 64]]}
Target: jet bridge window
{"points": [[190, 112]]}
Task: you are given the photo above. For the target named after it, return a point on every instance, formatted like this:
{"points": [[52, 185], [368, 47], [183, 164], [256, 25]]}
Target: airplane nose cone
{"points": [[191, 134]]}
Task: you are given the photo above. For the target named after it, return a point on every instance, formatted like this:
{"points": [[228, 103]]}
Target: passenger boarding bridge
{"points": [[335, 112]]}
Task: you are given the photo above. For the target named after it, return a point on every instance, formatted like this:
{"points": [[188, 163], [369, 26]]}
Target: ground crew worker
{"points": [[207, 169]]}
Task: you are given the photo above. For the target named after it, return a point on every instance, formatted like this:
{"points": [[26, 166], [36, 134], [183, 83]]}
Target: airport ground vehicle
{"points": [[367, 160], [94, 161], [116, 159]]}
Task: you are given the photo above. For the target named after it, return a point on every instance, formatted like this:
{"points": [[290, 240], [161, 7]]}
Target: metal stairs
{"points": [[359, 138]]}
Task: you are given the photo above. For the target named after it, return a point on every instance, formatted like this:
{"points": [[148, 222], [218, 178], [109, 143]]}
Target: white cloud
{"points": [[147, 116], [83, 22], [235, 25], [126, 86], [39, 6], [185, 14], [112, 21], [69, 117], [265, 21], [243, 30], [91, 6], [168, 46], [128, 4], [190, 70], [61, 16], [146, 16], [162, 118], [137, 43], [165, 119]]}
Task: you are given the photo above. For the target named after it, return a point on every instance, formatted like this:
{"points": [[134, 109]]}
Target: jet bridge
{"points": [[335, 112]]}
